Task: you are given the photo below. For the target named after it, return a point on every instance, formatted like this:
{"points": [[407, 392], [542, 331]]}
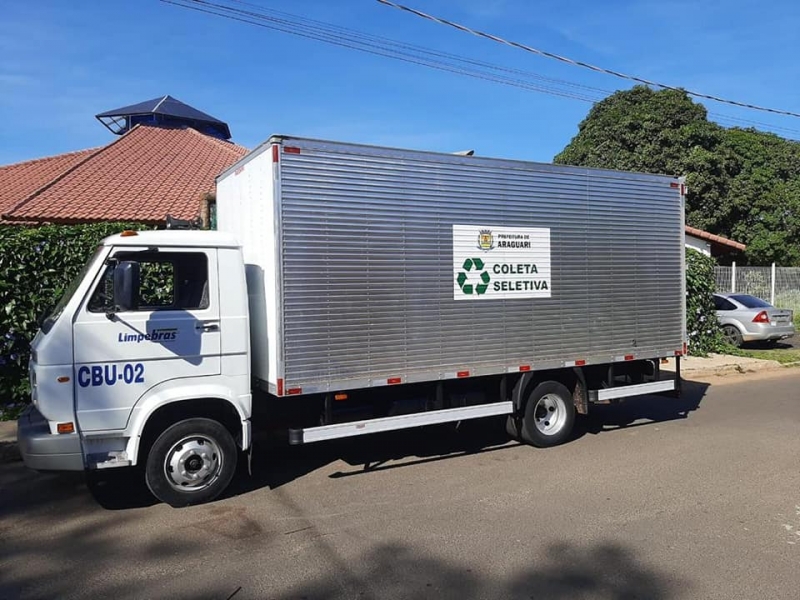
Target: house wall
{"points": [[698, 244]]}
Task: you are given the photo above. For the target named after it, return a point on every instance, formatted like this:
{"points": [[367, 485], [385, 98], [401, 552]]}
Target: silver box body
{"points": [[358, 250]]}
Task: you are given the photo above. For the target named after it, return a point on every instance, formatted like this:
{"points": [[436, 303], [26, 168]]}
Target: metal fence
{"points": [[779, 285]]}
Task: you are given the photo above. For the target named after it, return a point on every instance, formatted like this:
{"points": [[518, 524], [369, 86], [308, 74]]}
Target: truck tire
{"points": [[191, 462], [549, 415]]}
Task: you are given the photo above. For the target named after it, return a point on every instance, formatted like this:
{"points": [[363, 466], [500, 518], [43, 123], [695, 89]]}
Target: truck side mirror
{"points": [[126, 285]]}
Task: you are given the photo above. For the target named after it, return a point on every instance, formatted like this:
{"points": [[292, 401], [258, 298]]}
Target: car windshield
{"points": [[751, 301], [48, 322]]}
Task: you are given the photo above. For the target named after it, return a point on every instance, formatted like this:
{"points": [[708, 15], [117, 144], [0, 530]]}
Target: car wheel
{"points": [[191, 462], [732, 335]]}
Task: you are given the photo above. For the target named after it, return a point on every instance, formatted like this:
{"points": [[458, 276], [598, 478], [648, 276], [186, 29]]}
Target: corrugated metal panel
{"points": [[367, 259]]}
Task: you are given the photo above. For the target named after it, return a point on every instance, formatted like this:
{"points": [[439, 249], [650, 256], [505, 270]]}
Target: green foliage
{"points": [[157, 286], [702, 326], [743, 184], [639, 130], [36, 266]]}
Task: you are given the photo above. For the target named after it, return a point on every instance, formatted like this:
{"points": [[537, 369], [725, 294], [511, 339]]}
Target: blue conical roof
{"points": [[165, 110]]}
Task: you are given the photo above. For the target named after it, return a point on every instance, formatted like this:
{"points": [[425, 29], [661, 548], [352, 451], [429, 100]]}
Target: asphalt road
{"points": [[655, 499]]}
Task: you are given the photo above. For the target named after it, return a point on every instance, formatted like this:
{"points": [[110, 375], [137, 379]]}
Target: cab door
{"points": [[173, 332]]}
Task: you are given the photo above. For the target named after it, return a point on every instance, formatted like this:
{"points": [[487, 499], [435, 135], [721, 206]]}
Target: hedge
{"points": [[36, 265], [702, 325]]}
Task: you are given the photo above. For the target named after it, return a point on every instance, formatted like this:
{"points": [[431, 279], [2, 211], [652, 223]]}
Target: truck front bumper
{"points": [[43, 451]]}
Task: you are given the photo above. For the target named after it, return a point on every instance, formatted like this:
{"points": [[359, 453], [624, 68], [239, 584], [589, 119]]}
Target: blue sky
{"points": [[62, 62]]}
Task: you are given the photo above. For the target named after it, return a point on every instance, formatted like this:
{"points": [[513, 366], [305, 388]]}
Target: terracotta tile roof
{"points": [[145, 174], [717, 239], [20, 180]]}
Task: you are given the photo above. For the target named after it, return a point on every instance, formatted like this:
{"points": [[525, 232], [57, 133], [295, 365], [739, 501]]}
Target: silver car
{"points": [[745, 318]]}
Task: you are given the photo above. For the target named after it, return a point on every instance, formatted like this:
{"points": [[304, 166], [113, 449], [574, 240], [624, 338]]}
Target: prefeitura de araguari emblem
{"points": [[485, 240]]}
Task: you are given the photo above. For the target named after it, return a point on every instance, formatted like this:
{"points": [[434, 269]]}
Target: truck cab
{"points": [[152, 334]]}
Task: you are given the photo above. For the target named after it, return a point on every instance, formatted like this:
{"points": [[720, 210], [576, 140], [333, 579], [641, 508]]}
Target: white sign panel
{"points": [[500, 262]]}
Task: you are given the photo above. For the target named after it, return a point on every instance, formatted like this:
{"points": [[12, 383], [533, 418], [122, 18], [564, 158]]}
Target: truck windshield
{"points": [[52, 317]]}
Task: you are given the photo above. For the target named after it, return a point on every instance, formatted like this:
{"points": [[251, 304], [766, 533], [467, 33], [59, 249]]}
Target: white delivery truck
{"points": [[360, 290]]}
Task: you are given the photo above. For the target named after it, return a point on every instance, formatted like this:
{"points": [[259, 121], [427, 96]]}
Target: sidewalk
{"points": [[693, 367]]}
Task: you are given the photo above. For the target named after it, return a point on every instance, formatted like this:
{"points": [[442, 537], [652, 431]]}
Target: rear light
{"points": [[761, 317]]}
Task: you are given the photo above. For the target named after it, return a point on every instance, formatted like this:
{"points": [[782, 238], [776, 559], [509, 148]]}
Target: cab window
{"points": [[167, 281]]}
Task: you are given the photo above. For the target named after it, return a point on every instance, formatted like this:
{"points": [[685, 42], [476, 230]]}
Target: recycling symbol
{"points": [[473, 264]]}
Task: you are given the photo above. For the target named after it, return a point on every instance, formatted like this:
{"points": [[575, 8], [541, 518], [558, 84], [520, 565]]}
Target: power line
{"points": [[740, 122], [385, 47], [578, 63], [365, 36], [413, 54]]}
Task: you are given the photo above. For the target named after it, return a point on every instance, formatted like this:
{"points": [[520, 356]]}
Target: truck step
{"points": [[342, 430], [626, 391]]}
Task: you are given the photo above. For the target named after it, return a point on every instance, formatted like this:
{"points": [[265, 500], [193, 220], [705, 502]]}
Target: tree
{"points": [[743, 184]]}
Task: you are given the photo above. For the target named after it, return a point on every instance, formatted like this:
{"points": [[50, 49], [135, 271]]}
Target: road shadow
{"points": [[273, 463], [9, 452], [120, 489], [566, 571], [61, 555], [641, 411], [787, 344]]}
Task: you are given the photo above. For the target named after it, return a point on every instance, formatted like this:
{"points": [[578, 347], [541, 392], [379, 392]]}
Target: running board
{"points": [[626, 391], [343, 430]]}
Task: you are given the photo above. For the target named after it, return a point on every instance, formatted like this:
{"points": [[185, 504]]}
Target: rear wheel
{"points": [[732, 335], [549, 415], [191, 462]]}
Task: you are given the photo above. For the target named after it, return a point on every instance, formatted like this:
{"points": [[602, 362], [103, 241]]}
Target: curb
{"points": [[734, 368]]}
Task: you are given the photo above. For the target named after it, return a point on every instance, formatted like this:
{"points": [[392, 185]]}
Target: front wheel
{"points": [[549, 415], [191, 462]]}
